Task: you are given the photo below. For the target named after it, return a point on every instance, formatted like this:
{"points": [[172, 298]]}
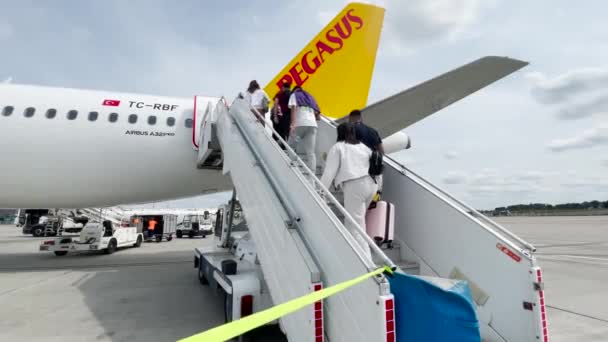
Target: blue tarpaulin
{"points": [[433, 309]]}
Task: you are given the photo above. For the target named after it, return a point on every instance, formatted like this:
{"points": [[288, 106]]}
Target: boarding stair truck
{"points": [[284, 214], [500, 268], [164, 229], [95, 236], [65, 220], [195, 225], [115, 215]]}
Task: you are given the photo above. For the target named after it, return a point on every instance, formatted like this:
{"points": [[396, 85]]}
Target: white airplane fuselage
{"points": [[86, 160]]}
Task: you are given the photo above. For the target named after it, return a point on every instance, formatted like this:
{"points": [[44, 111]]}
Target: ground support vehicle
{"points": [[95, 237], [165, 226], [195, 225]]}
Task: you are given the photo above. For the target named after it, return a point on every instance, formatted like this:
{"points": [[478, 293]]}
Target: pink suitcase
{"points": [[380, 222]]}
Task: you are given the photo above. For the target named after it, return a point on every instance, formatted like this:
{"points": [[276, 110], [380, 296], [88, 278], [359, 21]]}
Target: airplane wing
{"points": [[412, 105]]}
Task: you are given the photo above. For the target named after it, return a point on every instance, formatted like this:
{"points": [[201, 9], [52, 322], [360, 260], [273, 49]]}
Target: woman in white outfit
{"points": [[347, 165], [258, 99]]}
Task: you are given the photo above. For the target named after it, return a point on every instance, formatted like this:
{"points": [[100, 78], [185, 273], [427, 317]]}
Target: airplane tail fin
{"points": [[336, 66]]}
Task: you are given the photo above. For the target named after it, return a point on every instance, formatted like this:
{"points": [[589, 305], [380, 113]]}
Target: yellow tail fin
{"points": [[336, 66]]}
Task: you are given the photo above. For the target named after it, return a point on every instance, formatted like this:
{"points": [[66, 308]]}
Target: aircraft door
{"points": [[202, 109]]}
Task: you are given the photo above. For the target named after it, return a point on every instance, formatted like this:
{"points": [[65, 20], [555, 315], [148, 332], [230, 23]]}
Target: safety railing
{"points": [[326, 197], [472, 211]]}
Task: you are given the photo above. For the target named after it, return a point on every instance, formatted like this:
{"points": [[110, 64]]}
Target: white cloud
{"points": [[493, 180], [563, 87], [328, 13], [455, 177], [6, 30], [532, 176], [587, 139], [580, 92], [431, 19], [411, 23], [605, 162], [594, 106], [324, 17], [586, 183], [451, 155]]}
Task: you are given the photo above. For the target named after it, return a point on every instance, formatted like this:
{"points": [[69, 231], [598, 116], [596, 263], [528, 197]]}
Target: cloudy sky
{"points": [[540, 135]]}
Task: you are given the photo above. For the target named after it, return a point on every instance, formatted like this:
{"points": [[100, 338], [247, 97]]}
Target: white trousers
{"points": [[304, 141], [358, 194]]}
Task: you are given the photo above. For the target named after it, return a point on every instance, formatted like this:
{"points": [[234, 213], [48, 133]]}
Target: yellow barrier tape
{"points": [[243, 325]]}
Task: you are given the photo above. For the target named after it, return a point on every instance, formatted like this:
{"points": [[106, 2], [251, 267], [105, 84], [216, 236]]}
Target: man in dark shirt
{"points": [[281, 116], [366, 134]]}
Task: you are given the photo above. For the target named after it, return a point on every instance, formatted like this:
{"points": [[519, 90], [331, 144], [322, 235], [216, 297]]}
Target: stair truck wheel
{"points": [[178, 234], [227, 306], [201, 277], [112, 246], [170, 237], [61, 253], [138, 242], [37, 231]]}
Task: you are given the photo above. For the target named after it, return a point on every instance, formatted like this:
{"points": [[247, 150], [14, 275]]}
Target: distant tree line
{"points": [[535, 207]]}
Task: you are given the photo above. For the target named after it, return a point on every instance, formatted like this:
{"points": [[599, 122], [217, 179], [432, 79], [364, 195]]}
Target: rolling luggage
{"points": [[380, 222]]}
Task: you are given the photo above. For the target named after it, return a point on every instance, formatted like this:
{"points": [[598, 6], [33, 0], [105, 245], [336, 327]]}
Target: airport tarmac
{"points": [[146, 294], [152, 293], [573, 254]]}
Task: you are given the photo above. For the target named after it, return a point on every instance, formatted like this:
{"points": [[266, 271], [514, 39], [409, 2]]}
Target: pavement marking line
{"points": [[571, 244], [578, 314], [87, 266], [583, 257], [574, 256], [37, 283], [237, 328]]}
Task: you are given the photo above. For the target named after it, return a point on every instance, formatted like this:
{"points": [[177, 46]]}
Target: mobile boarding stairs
{"points": [[302, 243]]}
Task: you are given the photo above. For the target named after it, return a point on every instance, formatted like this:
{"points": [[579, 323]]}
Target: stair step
{"points": [[409, 267], [393, 253]]}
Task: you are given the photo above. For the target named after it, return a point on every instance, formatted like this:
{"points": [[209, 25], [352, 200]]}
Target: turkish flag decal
{"points": [[112, 103]]}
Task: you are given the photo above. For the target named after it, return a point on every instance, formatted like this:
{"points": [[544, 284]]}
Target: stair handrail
{"points": [[472, 211], [323, 191]]}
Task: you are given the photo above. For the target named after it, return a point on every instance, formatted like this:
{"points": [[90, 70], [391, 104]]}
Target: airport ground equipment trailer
{"points": [[95, 237], [195, 225], [165, 226]]}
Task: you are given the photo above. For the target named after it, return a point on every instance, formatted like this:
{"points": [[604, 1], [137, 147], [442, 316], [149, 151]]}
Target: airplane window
{"points": [[152, 120], [8, 110], [72, 114], [113, 117], [29, 112], [93, 116], [133, 118], [170, 121], [50, 114], [188, 123]]}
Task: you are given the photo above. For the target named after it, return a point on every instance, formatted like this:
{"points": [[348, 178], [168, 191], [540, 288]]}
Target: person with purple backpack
{"points": [[303, 129]]}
